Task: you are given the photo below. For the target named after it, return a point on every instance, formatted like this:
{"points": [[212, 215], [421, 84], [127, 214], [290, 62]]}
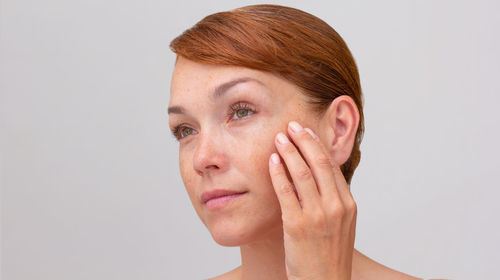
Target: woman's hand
{"points": [[319, 229]]}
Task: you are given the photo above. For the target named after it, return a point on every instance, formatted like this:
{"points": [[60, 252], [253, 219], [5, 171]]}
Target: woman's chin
{"points": [[231, 237]]}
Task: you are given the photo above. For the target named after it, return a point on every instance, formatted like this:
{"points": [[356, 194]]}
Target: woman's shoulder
{"points": [[366, 268], [230, 275]]}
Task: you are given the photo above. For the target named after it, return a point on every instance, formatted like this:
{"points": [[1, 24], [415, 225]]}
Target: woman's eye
{"points": [[185, 131], [236, 112], [242, 113], [179, 132], [240, 110]]}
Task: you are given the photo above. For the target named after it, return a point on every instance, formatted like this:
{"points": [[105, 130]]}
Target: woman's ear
{"points": [[338, 128]]}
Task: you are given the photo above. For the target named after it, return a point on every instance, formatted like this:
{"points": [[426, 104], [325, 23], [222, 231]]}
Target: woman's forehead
{"points": [[195, 73], [192, 77]]}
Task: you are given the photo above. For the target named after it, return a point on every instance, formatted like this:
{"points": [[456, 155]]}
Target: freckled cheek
{"points": [[257, 150], [187, 171]]}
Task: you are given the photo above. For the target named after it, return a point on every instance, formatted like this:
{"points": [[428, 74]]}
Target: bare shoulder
{"points": [[365, 268], [230, 275]]}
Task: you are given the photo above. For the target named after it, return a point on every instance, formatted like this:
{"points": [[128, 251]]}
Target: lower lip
{"points": [[219, 202]]}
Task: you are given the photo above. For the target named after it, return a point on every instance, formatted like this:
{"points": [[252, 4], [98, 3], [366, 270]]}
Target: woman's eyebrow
{"points": [[223, 88], [219, 91]]}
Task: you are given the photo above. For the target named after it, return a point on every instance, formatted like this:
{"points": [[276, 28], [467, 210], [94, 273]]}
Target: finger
{"points": [[319, 162], [343, 188], [299, 171], [290, 206]]}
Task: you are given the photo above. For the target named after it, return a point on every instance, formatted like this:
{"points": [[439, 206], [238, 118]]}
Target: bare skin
{"points": [[364, 268], [228, 121]]}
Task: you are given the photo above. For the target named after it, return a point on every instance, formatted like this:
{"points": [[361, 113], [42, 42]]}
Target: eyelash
{"points": [[176, 131]]}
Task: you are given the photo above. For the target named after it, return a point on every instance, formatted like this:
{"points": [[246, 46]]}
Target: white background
{"points": [[89, 173]]}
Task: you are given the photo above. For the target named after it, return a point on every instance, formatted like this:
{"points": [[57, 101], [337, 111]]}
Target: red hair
{"points": [[284, 41]]}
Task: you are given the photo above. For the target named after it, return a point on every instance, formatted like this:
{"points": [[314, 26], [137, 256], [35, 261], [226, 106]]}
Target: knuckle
{"points": [[279, 172], [304, 135], [338, 211], [324, 161], [353, 208], [286, 188], [293, 227], [292, 224], [350, 204], [304, 174], [318, 224], [289, 149], [318, 219]]}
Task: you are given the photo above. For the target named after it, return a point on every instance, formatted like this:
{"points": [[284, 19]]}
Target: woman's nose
{"points": [[209, 156]]}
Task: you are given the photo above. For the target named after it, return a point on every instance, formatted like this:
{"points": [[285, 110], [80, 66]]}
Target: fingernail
{"points": [[282, 139], [295, 126], [314, 136], [275, 158]]}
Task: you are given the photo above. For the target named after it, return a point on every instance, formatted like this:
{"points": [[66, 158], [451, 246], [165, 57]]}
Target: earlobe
{"points": [[339, 126]]}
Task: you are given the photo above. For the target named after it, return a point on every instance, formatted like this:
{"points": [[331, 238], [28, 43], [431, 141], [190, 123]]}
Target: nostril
{"points": [[212, 167], [208, 163]]}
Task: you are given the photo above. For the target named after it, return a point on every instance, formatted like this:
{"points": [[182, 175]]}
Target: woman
{"points": [[266, 104]]}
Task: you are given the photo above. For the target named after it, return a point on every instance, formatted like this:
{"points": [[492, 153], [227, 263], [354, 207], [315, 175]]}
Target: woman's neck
{"points": [[264, 259]]}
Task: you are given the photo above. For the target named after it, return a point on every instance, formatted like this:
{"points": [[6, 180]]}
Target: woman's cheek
{"points": [[259, 145], [186, 169]]}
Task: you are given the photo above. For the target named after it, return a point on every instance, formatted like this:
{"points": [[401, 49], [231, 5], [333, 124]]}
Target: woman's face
{"points": [[228, 118]]}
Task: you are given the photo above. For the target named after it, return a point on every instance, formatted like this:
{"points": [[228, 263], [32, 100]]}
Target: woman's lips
{"points": [[219, 198]]}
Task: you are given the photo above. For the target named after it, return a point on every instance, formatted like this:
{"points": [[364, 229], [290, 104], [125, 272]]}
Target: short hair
{"points": [[287, 42]]}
